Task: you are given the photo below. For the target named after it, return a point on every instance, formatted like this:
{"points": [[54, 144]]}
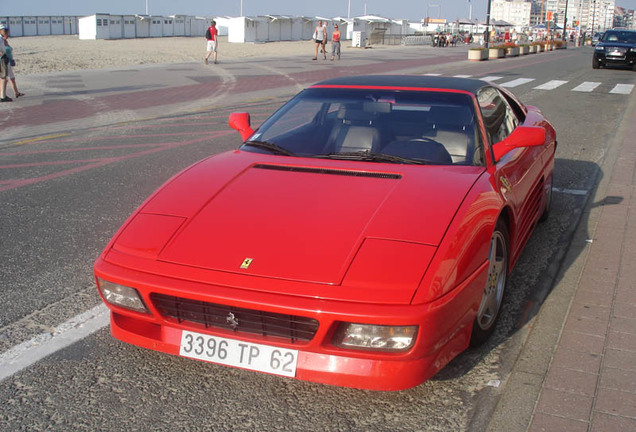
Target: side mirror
{"points": [[522, 136], [241, 123]]}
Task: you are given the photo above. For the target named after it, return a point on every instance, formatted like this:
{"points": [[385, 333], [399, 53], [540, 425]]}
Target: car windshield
{"points": [[409, 127], [620, 36]]}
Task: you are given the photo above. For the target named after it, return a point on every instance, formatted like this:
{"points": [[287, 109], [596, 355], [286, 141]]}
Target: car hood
{"points": [[295, 218]]}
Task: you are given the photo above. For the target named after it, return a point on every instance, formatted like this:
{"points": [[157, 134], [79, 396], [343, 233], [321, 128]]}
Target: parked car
{"points": [[616, 48], [362, 236]]}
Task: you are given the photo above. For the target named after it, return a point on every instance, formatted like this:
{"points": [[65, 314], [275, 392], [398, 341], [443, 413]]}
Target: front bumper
{"points": [[609, 57], [444, 329]]}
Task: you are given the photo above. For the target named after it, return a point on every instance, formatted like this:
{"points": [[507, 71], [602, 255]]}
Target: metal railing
{"points": [[416, 40]]}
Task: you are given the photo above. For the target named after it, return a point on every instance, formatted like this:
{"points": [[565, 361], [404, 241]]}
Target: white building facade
{"points": [[106, 26], [590, 15], [41, 25], [516, 12], [258, 29]]}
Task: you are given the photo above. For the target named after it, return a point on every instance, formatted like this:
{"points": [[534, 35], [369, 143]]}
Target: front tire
{"points": [[596, 64], [492, 297]]}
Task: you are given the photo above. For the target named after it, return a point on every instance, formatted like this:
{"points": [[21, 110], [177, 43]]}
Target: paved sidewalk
{"points": [[577, 369], [591, 381]]}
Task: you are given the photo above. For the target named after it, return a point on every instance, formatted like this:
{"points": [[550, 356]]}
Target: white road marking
{"points": [[622, 89], [587, 86], [550, 85], [517, 82], [77, 328], [570, 191]]}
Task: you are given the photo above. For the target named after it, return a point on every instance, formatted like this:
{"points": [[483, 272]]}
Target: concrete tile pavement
{"points": [[577, 369], [591, 382]]}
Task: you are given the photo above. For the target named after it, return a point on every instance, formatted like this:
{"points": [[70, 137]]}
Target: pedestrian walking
{"points": [[335, 42], [323, 49], [8, 52], [320, 36], [211, 36], [4, 62]]}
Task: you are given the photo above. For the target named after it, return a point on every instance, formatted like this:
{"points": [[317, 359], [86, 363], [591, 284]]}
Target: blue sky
{"points": [[409, 9]]}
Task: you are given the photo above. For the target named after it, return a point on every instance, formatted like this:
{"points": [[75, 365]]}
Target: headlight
{"points": [[599, 48], [375, 337], [633, 49], [123, 296]]}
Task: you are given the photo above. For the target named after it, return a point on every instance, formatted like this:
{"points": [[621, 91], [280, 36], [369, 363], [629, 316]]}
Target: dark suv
{"points": [[616, 47]]}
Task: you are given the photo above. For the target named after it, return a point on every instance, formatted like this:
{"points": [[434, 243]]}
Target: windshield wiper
{"points": [[372, 157], [274, 148]]}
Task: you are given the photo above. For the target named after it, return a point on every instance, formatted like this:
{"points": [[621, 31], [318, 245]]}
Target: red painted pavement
{"points": [[54, 111]]}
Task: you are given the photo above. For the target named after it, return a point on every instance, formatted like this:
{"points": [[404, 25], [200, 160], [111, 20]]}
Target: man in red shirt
{"points": [[211, 36]]}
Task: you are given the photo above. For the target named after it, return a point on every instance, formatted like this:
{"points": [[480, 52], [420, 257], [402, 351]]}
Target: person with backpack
{"points": [[211, 36], [4, 69], [9, 62]]}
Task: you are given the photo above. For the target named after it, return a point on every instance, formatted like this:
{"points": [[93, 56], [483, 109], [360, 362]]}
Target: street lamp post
{"points": [[487, 25], [565, 21], [593, 17]]}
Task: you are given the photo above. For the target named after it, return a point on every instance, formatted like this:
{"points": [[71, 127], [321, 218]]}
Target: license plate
{"points": [[230, 352]]}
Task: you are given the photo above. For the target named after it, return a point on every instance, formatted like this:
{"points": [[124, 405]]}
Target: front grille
{"points": [[291, 327], [616, 51]]}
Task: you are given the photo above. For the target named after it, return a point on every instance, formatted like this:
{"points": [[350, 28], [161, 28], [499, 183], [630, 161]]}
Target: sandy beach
{"points": [[42, 54]]}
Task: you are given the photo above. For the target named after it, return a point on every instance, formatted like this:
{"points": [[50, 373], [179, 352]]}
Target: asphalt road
{"points": [[63, 197]]}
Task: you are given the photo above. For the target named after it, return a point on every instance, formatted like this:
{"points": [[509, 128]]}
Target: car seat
{"points": [[354, 131]]}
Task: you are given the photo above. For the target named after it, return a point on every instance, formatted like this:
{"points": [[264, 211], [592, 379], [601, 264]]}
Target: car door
{"points": [[517, 174]]}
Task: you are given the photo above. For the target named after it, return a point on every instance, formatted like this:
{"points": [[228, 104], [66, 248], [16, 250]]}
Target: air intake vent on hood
{"points": [[342, 172]]}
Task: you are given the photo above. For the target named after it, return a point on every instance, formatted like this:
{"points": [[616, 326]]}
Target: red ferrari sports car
{"points": [[362, 236]]}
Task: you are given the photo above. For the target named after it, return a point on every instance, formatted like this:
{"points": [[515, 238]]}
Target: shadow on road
{"points": [[550, 252]]}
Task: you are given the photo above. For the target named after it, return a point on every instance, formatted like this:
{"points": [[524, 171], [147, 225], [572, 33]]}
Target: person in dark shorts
{"points": [[320, 36]]}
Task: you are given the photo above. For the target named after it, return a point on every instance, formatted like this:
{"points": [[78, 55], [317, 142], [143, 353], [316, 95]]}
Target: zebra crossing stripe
{"points": [[622, 89], [517, 82], [550, 85], [491, 78], [587, 86]]}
